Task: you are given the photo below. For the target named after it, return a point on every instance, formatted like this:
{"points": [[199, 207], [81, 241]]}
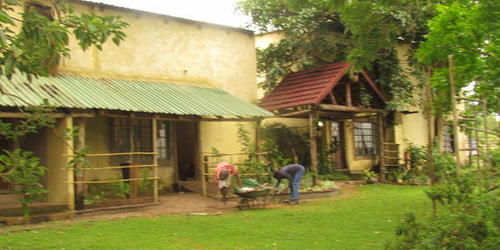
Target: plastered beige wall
{"points": [[161, 48], [166, 49], [59, 178], [414, 127]]}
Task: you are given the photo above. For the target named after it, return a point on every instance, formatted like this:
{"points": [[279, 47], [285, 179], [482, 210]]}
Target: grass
{"points": [[364, 220]]}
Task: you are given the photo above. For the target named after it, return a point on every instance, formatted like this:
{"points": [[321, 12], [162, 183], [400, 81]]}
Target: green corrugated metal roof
{"points": [[126, 95]]}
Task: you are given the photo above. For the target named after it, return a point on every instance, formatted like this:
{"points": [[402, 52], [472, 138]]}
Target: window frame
{"points": [[374, 140]]}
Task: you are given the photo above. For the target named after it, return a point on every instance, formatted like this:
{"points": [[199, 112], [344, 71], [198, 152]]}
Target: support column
{"points": [[381, 147], [454, 110], [59, 153], [79, 173], [485, 124], [154, 140], [348, 99], [313, 147]]}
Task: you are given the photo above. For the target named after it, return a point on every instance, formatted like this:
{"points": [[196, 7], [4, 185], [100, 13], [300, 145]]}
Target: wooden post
{"points": [[204, 171], [485, 121], [348, 99], [430, 125], [314, 148], [454, 110], [155, 157], [257, 139], [79, 173], [381, 147], [476, 136]]}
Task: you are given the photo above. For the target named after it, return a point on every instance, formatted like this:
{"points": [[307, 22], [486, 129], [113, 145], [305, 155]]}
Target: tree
{"points": [[364, 33], [470, 31]]}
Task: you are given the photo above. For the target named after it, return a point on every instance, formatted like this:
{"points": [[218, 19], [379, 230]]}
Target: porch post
{"points": [[313, 147], [485, 124], [154, 137], [456, 147], [381, 147], [60, 179], [348, 98], [79, 173]]}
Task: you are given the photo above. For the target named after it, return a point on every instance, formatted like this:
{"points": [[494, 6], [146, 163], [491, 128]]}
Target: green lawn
{"points": [[365, 220]]}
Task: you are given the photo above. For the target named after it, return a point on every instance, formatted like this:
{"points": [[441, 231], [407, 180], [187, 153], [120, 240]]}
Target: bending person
{"points": [[223, 174], [293, 173]]}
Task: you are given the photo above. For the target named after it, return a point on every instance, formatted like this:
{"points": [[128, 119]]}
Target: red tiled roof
{"points": [[305, 87]]}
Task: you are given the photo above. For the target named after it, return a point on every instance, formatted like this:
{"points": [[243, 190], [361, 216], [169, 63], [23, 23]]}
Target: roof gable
{"points": [[305, 87]]}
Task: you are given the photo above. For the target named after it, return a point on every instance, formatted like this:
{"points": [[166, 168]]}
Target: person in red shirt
{"points": [[223, 174]]}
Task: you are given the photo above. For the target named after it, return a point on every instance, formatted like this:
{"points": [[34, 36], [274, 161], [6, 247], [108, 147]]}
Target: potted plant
{"points": [[370, 177]]}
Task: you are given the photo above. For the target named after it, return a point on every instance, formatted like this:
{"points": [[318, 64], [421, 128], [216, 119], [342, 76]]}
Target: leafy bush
{"points": [[25, 175], [334, 176], [468, 216], [284, 145]]}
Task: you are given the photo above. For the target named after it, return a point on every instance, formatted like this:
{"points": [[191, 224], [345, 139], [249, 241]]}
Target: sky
{"points": [[212, 11]]}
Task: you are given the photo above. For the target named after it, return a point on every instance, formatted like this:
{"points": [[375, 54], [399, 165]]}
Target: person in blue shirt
{"points": [[293, 173]]}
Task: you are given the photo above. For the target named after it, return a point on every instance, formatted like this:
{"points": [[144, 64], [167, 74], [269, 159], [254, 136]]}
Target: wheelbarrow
{"points": [[253, 199]]}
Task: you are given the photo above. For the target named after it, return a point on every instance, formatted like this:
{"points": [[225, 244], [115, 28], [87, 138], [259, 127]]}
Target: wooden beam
{"points": [[23, 115], [294, 113], [51, 115], [332, 97], [374, 87], [349, 109], [313, 147], [381, 147], [79, 174], [154, 134], [228, 119], [485, 124], [348, 98], [454, 110]]}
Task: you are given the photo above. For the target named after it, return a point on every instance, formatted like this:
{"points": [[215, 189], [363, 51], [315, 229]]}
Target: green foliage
{"points": [[25, 176], [145, 186], [316, 32], [467, 219], [418, 155], [105, 191], [334, 176], [469, 30], [36, 117], [252, 164], [284, 145], [42, 41]]}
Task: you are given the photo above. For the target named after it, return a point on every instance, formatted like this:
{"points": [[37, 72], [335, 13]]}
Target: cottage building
{"points": [[174, 90], [327, 100]]}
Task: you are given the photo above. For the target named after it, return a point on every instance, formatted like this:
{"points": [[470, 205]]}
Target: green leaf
{"points": [[4, 18], [10, 64], [3, 37]]}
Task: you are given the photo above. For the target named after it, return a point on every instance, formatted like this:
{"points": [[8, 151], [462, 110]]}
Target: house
{"points": [[148, 109], [328, 100]]}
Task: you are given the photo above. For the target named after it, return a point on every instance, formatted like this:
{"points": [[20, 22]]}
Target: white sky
{"points": [[212, 11]]}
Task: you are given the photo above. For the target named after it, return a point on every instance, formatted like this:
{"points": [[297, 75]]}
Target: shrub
{"points": [[25, 175]]}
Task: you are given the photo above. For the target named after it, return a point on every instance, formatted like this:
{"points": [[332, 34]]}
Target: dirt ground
{"points": [[179, 203]]}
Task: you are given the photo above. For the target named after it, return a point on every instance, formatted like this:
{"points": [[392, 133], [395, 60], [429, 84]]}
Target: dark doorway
{"points": [[339, 145], [187, 149]]}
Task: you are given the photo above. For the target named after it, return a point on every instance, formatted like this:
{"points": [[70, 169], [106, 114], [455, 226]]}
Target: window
{"points": [[448, 143], [42, 10], [162, 140], [131, 135], [364, 139]]}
